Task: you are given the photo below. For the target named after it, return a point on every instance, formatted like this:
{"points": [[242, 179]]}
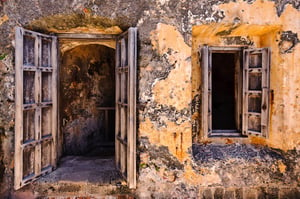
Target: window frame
{"points": [[241, 106]]}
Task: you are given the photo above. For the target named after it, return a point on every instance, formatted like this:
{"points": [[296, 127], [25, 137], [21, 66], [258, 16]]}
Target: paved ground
{"points": [[92, 169], [91, 176]]}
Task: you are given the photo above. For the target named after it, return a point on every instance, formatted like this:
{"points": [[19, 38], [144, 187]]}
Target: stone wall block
{"points": [[261, 193], [239, 194], [207, 194], [229, 194], [289, 193], [219, 193], [250, 193], [272, 192]]}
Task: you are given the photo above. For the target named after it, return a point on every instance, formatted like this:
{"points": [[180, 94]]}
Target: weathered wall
{"points": [[170, 33], [87, 81]]}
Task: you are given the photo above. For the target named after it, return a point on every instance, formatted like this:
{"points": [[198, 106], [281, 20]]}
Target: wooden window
{"points": [[36, 105], [235, 87], [126, 54], [256, 86]]}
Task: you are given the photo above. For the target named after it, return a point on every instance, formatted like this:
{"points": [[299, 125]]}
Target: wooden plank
{"points": [[124, 54], [36, 34], [38, 96], [238, 91], [255, 70], [122, 141], [254, 113], [54, 93], [209, 119], [265, 91], [59, 134], [123, 98], [123, 35], [86, 36], [252, 91], [29, 68], [131, 150], [106, 133], [245, 92], [204, 87], [226, 49], [33, 143], [18, 159], [117, 107], [105, 108]]}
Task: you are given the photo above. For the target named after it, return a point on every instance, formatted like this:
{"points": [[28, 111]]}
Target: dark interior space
{"points": [[223, 90], [87, 115], [87, 98]]}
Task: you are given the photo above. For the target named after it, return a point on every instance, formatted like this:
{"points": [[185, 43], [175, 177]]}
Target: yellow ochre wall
{"points": [[259, 23]]}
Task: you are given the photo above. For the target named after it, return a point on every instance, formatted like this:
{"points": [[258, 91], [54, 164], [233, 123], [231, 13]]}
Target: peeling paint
{"points": [[288, 41], [169, 43], [238, 40], [169, 90], [3, 19]]}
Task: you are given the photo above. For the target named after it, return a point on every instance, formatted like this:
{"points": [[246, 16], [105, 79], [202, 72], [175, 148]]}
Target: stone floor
{"points": [[90, 175], [93, 169]]}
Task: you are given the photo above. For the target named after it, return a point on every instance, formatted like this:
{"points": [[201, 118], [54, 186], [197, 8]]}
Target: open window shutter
{"points": [[36, 105], [256, 72], [126, 55], [206, 91]]}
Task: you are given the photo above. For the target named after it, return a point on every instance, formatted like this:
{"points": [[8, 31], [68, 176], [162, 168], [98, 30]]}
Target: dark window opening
{"points": [[223, 91]]}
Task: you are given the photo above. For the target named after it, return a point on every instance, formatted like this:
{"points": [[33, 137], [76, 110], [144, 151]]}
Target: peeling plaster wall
{"points": [[169, 85]]}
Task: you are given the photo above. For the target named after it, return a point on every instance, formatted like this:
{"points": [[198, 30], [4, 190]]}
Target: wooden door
{"points": [[36, 105], [256, 86], [125, 139]]}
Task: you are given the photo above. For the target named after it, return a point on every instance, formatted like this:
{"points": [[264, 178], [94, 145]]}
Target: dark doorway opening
{"points": [[83, 94], [87, 115], [224, 87], [87, 98]]}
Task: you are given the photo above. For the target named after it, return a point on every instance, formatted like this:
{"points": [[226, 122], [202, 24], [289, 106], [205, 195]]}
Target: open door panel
{"points": [[36, 105], [125, 139]]}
